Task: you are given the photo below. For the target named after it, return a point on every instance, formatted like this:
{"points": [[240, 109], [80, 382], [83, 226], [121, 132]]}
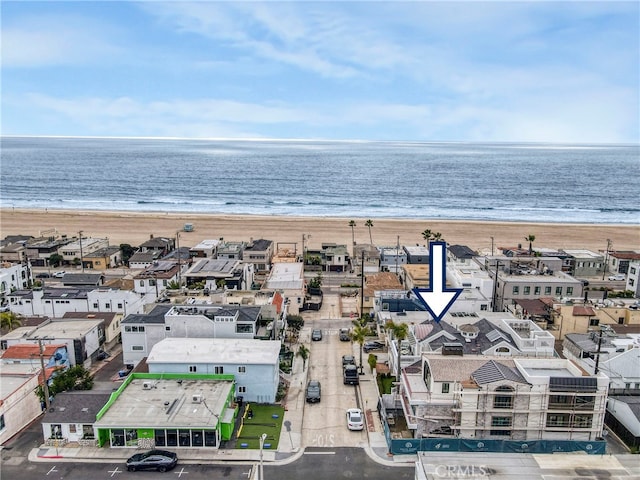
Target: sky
{"points": [[557, 72]]}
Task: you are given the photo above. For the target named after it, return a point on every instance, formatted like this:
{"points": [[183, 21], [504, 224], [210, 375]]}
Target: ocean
{"points": [[351, 179]]}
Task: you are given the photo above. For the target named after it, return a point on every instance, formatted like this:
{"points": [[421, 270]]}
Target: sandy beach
{"points": [[136, 227]]}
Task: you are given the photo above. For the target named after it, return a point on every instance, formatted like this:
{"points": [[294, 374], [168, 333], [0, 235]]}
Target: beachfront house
{"points": [[103, 258], [207, 248], [253, 363], [74, 251], [220, 273], [259, 253]]}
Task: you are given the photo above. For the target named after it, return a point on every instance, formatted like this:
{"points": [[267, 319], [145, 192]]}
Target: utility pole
{"points": [[495, 288], [81, 260], [362, 285], [397, 252], [595, 371], [606, 259], [179, 263], [492, 246], [45, 385]]}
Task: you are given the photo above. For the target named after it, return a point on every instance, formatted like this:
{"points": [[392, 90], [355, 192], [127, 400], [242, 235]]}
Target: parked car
{"points": [[348, 360], [344, 335], [103, 355], [354, 419], [617, 277], [372, 345], [43, 275], [59, 274], [313, 391], [316, 335], [159, 460]]}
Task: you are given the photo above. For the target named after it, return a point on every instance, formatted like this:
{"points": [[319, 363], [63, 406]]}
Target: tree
{"points": [[294, 325], [372, 360], [358, 334], [303, 352], [430, 236], [530, 239], [10, 320], [74, 378], [369, 224], [352, 224], [127, 252], [55, 260], [316, 282], [400, 332]]}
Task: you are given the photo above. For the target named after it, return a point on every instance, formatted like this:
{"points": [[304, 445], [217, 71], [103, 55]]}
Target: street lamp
{"points": [[263, 437]]}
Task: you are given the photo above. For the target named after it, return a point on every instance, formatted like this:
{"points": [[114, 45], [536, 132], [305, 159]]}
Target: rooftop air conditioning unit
{"points": [[147, 385], [197, 398]]}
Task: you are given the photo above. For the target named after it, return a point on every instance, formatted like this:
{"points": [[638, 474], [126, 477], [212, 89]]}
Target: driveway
{"points": [[324, 423]]}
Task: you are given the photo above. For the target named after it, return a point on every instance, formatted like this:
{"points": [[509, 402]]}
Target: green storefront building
{"points": [[169, 410]]}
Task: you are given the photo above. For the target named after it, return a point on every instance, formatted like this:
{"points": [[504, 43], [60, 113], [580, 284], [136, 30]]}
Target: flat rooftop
{"points": [[168, 403], [549, 372], [235, 351]]}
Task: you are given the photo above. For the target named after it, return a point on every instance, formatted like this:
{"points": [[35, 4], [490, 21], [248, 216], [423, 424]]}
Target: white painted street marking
{"points": [[319, 453], [181, 472], [53, 469], [113, 472], [248, 474]]}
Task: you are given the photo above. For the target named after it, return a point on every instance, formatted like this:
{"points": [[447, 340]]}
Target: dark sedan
{"points": [[372, 345], [159, 460]]}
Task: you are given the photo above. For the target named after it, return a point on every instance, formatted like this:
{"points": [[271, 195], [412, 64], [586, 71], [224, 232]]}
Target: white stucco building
{"points": [[254, 363]]}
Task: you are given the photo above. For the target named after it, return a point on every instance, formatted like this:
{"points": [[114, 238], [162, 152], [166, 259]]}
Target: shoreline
{"points": [[135, 227]]}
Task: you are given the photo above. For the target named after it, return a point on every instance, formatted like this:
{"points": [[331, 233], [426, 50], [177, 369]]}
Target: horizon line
{"points": [[272, 139]]}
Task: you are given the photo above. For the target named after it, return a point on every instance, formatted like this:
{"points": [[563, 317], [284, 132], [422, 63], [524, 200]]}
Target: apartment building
{"points": [[502, 398]]}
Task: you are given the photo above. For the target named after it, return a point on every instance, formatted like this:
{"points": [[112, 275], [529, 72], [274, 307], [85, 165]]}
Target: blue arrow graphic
{"points": [[437, 298]]}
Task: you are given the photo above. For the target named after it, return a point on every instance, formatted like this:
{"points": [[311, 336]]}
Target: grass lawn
{"points": [[262, 422]]}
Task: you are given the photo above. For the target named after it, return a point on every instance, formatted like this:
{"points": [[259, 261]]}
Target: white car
{"points": [[618, 277], [59, 274], [354, 419]]}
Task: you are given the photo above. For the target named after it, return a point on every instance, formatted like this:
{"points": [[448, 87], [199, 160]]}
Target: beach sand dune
{"points": [[136, 227]]}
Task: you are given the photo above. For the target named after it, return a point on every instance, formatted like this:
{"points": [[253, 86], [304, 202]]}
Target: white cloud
{"points": [[55, 40]]}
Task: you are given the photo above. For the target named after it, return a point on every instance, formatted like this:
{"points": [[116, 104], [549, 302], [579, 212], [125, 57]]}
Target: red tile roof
{"points": [[29, 350]]}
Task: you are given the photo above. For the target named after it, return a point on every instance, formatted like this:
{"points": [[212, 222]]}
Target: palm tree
{"points": [[530, 239], [358, 334], [369, 224], [400, 332], [10, 320], [430, 236], [352, 224], [303, 352]]}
